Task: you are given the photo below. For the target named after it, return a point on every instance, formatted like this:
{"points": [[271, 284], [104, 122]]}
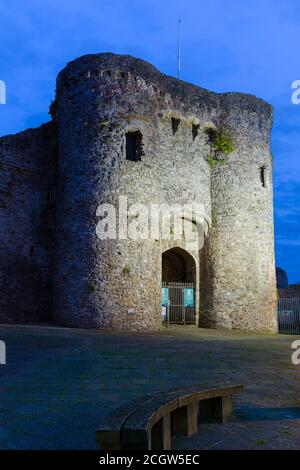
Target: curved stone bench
{"points": [[149, 422]]}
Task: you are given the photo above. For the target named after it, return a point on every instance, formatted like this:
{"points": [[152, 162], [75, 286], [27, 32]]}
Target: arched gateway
{"points": [[178, 287]]}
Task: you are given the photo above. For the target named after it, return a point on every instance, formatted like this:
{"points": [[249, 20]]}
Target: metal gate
{"points": [[289, 316], [178, 303]]}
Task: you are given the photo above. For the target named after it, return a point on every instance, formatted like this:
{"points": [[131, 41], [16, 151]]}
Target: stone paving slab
{"points": [[59, 383]]}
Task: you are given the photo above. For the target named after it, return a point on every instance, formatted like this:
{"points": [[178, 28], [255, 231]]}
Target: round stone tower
{"points": [[108, 283], [239, 254]]}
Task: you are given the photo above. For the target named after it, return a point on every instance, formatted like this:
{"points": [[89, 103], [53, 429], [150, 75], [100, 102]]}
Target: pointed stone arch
{"points": [[178, 265]]}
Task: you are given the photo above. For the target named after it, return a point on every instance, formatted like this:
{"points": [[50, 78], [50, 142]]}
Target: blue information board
{"points": [[188, 297], [165, 297]]}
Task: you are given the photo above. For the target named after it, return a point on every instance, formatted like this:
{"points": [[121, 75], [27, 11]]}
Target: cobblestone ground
{"points": [[59, 383]]}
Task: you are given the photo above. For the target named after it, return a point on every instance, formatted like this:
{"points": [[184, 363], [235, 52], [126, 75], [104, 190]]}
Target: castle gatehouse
{"points": [[120, 128]]}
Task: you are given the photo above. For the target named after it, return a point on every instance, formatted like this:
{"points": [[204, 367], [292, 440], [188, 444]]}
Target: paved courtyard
{"points": [[58, 383]]}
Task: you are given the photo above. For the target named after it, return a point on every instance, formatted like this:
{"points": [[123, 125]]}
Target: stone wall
{"points": [[290, 292], [27, 174], [117, 283]]}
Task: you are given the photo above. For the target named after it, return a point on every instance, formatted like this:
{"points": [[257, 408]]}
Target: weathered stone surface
{"points": [[117, 283], [27, 184]]}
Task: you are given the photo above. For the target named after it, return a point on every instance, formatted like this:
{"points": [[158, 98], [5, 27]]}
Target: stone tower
{"points": [[240, 249], [125, 134]]}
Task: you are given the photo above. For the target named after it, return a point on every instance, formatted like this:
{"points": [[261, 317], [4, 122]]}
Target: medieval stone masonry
{"points": [[121, 128]]}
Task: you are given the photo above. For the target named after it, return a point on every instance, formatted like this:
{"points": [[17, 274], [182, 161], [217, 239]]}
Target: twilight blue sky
{"points": [[227, 45]]}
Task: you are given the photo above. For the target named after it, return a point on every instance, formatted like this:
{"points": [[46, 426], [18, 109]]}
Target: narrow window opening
{"points": [[195, 129], [175, 125], [263, 176], [51, 197], [134, 146]]}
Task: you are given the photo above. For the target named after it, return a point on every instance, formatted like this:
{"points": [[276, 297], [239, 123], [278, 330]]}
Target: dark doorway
{"points": [[178, 266], [178, 287]]}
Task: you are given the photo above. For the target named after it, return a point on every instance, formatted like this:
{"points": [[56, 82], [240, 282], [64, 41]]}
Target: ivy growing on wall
{"points": [[221, 145]]}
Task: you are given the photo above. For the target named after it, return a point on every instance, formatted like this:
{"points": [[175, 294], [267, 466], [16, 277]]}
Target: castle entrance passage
{"points": [[178, 287]]}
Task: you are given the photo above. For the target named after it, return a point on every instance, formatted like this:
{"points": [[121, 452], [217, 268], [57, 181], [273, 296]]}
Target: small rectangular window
{"points": [[263, 176], [175, 125], [51, 196], [195, 129], [134, 146]]}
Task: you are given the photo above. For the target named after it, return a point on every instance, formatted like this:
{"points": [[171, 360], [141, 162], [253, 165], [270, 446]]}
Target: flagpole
{"points": [[178, 50]]}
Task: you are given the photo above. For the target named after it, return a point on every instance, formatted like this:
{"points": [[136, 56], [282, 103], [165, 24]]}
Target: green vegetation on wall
{"points": [[221, 144]]}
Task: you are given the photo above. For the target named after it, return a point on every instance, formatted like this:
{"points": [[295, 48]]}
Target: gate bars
{"points": [[289, 316], [176, 312]]}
